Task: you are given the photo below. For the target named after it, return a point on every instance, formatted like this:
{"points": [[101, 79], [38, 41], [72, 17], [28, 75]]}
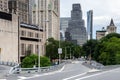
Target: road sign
{"points": [[59, 50]]}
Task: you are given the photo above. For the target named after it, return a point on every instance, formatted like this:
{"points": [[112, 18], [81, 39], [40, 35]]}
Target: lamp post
{"points": [[70, 52], [65, 53], [59, 52]]}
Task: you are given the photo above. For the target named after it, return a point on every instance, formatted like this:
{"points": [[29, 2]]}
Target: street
{"points": [[73, 71]]}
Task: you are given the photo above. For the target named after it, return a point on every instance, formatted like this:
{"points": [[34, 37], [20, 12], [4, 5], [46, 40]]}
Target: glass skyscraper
{"points": [[76, 28], [90, 24]]}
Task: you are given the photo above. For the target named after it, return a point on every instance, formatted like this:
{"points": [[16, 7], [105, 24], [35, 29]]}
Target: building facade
{"points": [[9, 37], [21, 8], [31, 38], [64, 23], [100, 34], [4, 6], [90, 24], [63, 26], [111, 28], [30, 13], [47, 13], [76, 28]]}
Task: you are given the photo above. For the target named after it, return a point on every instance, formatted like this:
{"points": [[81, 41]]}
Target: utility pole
{"points": [[65, 53]]}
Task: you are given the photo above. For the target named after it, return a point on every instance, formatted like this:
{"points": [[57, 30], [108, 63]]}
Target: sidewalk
{"points": [[4, 70]]}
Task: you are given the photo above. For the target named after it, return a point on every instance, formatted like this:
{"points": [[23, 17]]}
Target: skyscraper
{"points": [[4, 5], [90, 24], [47, 13], [31, 6], [21, 8], [76, 28], [64, 26]]}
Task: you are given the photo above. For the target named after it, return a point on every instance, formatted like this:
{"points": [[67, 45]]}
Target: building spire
{"points": [[112, 22]]}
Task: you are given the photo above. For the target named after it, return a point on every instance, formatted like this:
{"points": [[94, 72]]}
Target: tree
{"points": [[111, 48], [89, 48], [53, 45], [31, 60]]}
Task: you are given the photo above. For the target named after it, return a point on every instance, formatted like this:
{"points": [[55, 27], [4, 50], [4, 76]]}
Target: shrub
{"points": [[31, 60]]}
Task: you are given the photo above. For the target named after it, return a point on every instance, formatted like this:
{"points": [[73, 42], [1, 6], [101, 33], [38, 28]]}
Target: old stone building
{"points": [[111, 28], [31, 38], [8, 37]]}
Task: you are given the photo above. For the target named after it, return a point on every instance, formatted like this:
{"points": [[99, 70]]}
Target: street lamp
{"points": [[59, 52]]}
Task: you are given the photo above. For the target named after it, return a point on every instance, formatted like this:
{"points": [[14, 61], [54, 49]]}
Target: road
{"points": [[4, 70], [67, 71], [74, 71]]}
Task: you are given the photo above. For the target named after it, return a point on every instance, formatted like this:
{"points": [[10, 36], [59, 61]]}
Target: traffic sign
{"points": [[59, 50]]}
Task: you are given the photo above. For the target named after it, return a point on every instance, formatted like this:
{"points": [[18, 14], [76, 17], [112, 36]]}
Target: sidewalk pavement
{"points": [[4, 70]]}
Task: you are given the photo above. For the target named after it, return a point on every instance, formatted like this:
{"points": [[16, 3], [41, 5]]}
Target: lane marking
{"points": [[92, 70], [75, 76], [21, 77], [95, 74]]}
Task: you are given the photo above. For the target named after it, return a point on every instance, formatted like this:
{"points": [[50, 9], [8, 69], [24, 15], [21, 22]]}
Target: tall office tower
{"points": [[4, 5], [76, 28], [111, 28], [20, 7], [90, 24], [46, 14], [31, 7], [63, 26]]}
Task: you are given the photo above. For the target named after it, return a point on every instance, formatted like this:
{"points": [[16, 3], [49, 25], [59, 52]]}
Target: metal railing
{"points": [[8, 63], [17, 69]]}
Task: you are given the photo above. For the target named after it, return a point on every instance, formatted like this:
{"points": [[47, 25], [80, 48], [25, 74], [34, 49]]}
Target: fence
{"points": [[8, 63], [17, 70]]}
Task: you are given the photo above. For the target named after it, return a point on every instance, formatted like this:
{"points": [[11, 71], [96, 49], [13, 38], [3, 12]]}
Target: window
{"points": [[23, 33], [30, 49], [30, 34], [36, 35], [23, 49], [36, 49]]}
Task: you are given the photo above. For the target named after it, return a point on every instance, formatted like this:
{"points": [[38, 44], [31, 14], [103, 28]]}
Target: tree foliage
{"points": [[106, 50], [67, 48], [31, 60]]}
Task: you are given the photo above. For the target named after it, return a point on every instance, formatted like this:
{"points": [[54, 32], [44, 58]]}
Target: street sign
{"points": [[59, 50]]}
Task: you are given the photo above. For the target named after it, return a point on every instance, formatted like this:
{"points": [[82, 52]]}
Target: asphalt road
{"points": [[74, 71], [76, 68], [4, 70], [113, 74]]}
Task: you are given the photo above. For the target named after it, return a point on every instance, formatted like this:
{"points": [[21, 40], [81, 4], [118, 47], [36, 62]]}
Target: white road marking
{"points": [[92, 70], [21, 77], [3, 79], [74, 76], [95, 74]]}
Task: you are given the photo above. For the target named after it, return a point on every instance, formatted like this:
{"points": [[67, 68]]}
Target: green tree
{"points": [[117, 57], [53, 45], [31, 60], [89, 48]]}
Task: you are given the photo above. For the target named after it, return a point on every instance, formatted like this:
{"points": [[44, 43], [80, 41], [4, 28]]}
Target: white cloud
{"points": [[103, 11]]}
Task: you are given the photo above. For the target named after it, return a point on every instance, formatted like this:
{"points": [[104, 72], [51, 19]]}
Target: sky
{"points": [[103, 11]]}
